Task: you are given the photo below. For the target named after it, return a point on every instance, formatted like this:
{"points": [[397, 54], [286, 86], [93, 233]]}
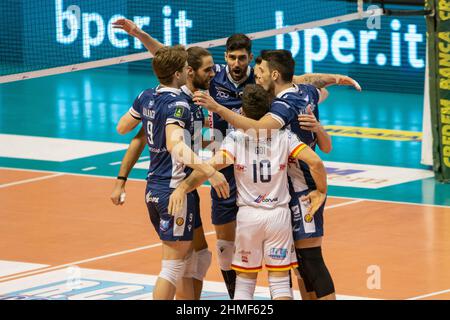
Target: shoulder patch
{"points": [[179, 112]]}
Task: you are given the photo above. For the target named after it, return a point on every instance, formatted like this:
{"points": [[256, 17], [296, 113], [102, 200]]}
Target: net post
{"points": [[438, 27]]}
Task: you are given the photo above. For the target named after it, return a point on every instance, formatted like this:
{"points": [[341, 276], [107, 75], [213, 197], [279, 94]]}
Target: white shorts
{"points": [[263, 234]]}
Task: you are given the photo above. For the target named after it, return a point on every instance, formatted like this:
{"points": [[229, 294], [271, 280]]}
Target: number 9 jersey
{"points": [[260, 166]]}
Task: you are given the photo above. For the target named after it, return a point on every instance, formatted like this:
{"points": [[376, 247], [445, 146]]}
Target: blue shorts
{"points": [[225, 210], [170, 228], [301, 228]]}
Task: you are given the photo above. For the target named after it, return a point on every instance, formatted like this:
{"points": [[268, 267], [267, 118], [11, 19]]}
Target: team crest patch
{"points": [[179, 112], [180, 221]]}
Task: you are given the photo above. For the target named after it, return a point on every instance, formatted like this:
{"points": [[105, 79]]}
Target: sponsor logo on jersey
{"points": [[240, 167], [264, 199], [282, 167], [157, 150], [278, 253], [244, 259], [149, 198]]}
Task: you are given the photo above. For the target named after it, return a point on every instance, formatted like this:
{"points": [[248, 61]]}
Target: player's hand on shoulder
{"points": [[220, 184], [315, 199], [202, 98], [176, 201], [127, 25]]}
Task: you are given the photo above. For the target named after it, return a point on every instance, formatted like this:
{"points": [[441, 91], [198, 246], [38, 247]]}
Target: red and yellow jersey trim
{"points": [[297, 150]]}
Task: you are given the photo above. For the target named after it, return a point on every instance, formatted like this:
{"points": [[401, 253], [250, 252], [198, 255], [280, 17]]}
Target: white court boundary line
{"points": [[207, 186], [110, 255], [50, 268], [205, 44], [6, 185], [429, 295]]}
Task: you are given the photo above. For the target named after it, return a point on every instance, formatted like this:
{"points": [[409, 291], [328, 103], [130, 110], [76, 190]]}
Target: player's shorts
{"points": [[302, 229], [264, 236], [197, 218], [224, 210], [170, 228]]}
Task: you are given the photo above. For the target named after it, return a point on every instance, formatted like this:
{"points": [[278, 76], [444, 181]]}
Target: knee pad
{"points": [[203, 261], [280, 287], [301, 272], [245, 288], [190, 265], [225, 251], [316, 272], [172, 270]]}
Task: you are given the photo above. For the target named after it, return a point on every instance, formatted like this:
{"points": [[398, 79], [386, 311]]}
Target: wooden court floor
{"points": [[374, 249]]}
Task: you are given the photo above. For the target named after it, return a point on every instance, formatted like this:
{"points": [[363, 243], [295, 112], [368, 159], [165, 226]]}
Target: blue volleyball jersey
{"points": [[157, 108], [228, 93], [286, 108]]}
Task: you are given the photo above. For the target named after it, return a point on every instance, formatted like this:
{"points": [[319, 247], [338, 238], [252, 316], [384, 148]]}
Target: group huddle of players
{"points": [[268, 186]]}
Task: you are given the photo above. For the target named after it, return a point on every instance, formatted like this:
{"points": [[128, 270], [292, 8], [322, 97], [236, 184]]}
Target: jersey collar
{"points": [[160, 89], [294, 88], [238, 83], [186, 90]]}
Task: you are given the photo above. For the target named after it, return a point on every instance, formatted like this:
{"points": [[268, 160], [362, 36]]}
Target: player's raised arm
{"points": [[133, 153], [322, 80], [236, 120], [133, 30]]}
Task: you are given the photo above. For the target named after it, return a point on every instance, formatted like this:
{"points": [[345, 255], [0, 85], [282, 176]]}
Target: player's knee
{"points": [[225, 254], [172, 270], [280, 287], [203, 261], [314, 271], [245, 288]]}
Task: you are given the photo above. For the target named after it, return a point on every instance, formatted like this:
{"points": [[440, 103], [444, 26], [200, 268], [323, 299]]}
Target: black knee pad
{"points": [[301, 271], [315, 271]]}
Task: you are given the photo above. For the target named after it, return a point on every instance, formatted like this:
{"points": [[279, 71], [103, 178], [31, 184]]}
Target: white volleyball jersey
{"points": [[260, 166]]}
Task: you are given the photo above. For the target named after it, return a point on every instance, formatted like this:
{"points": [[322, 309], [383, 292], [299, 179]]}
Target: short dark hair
{"points": [[255, 101], [167, 61], [195, 57], [239, 41], [280, 60]]}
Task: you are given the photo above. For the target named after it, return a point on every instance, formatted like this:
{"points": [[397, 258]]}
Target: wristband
{"points": [[122, 178]]}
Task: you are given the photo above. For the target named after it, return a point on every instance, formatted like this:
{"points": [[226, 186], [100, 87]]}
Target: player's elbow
{"points": [[316, 164], [327, 148], [323, 95]]}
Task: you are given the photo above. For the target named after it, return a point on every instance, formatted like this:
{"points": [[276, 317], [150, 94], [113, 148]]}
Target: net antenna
{"points": [[358, 14]]}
